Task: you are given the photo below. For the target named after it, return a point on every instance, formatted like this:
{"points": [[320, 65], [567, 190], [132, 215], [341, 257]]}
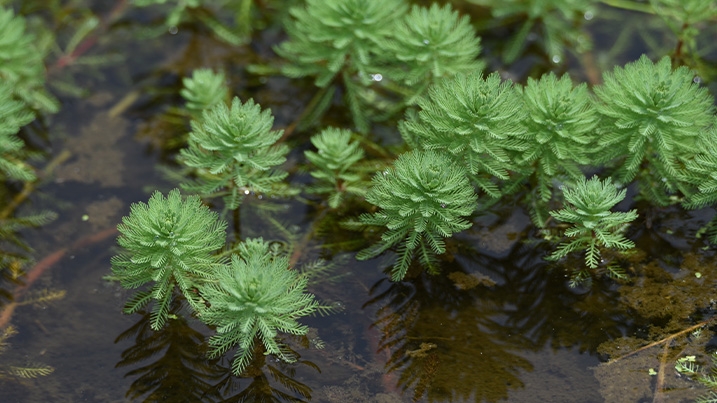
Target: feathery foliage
{"points": [[27, 371], [167, 241], [475, 120], [13, 115], [594, 226], [706, 376], [328, 36], [422, 199], [430, 43], [233, 152], [21, 63], [332, 37], [256, 296], [701, 171], [204, 90], [557, 132], [334, 160], [651, 118]]}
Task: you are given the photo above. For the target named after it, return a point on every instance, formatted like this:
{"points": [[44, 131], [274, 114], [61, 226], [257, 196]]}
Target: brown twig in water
{"points": [[666, 339]]}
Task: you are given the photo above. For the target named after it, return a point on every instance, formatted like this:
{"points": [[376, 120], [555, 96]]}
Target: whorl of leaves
{"points": [[422, 199], [434, 42], [652, 114], [167, 242], [334, 163], [476, 120], [326, 35], [256, 296], [558, 130], [593, 224], [233, 150], [204, 90]]}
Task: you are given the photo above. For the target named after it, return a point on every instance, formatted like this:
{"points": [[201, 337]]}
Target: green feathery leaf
{"points": [[652, 115], [256, 296], [167, 242], [593, 224], [424, 197], [204, 90], [21, 63], [476, 120], [335, 161], [233, 152]]}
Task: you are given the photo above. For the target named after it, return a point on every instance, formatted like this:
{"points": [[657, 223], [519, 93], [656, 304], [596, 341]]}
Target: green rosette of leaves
{"points": [[328, 36], [203, 90], [476, 120], [594, 226], [167, 242], [557, 135], [432, 43], [652, 117], [234, 153], [335, 162], [21, 63], [341, 37], [424, 198], [255, 298]]}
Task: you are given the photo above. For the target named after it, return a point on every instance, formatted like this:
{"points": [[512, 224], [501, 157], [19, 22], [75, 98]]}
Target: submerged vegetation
{"points": [[307, 135]]}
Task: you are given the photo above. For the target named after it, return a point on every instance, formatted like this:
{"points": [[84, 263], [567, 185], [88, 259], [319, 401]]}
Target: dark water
{"points": [[498, 324]]}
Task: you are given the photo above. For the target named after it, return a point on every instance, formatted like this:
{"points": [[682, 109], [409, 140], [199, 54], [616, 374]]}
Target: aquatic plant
{"points": [[424, 198], [21, 63], [594, 226], [701, 172], [340, 37], [13, 115], [651, 119], [687, 365], [27, 371], [334, 163], [167, 242], [233, 152], [255, 297], [476, 120], [430, 43], [557, 135], [204, 90]]}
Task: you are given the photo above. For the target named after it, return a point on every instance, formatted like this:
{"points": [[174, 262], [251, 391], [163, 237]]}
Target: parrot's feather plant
{"points": [[430, 43], [335, 165], [651, 119], [476, 120], [424, 198], [384, 55], [254, 298], [233, 151], [21, 63], [558, 132], [594, 226], [13, 115], [204, 90], [168, 242]]}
